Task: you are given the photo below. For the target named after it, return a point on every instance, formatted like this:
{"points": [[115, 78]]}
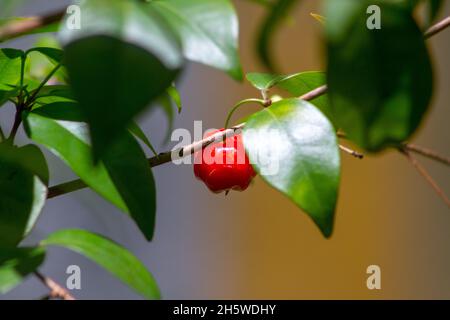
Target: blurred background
{"points": [[257, 244]]}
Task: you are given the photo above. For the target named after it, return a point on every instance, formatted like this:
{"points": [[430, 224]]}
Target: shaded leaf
{"points": [[111, 256], [380, 81], [208, 31], [16, 264], [137, 132], [54, 93], [22, 193], [122, 58], [123, 177], [294, 148]]}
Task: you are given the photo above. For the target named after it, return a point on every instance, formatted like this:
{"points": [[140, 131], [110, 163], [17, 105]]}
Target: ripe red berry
{"points": [[224, 166]]}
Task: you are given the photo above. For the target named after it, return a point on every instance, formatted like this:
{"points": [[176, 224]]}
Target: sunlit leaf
{"points": [[111, 256]]}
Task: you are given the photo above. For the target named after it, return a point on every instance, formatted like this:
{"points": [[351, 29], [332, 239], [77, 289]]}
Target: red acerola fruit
{"points": [[224, 166]]}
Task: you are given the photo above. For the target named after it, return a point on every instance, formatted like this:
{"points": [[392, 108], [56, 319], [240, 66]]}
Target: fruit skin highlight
{"points": [[224, 166]]}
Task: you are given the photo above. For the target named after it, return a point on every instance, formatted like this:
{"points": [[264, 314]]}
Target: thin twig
{"points": [[426, 175], [438, 27], [16, 124], [315, 93], [427, 153], [24, 26], [56, 290], [351, 152]]}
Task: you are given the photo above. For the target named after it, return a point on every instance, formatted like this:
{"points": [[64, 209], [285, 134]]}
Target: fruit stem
{"points": [[241, 103]]}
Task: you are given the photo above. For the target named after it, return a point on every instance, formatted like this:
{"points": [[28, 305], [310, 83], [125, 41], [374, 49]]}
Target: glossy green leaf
{"points": [[294, 148], [264, 81], [208, 31], [10, 62], [297, 84], [380, 81], [123, 177], [276, 13], [303, 82], [123, 57], [22, 192], [16, 264], [111, 256]]}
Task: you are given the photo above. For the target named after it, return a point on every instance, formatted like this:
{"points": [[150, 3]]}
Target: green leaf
{"points": [[264, 81], [138, 133], [28, 157], [297, 84], [380, 81], [123, 57], [10, 62], [275, 16], [294, 148], [303, 82], [208, 31], [111, 256], [54, 93], [123, 177], [54, 55], [173, 93], [22, 193], [5, 95], [16, 264], [43, 58]]}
